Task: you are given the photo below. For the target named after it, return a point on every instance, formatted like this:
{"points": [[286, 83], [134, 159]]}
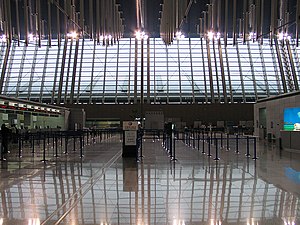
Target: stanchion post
{"points": [[56, 155], [66, 144], [217, 152], [194, 141], [83, 135], [227, 142], [174, 150], [203, 144], [44, 151], [32, 143], [53, 139], [248, 151], [20, 147], [237, 144], [254, 149], [74, 141], [141, 145], [221, 140], [198, 141], [81, 146], [61, 141], [208, 141], [170, 146]]}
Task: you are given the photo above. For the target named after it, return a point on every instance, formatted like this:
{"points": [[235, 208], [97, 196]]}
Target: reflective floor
{"points": [[104, 188]]}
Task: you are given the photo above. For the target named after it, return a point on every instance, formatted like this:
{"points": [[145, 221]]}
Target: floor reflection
{"points": [[194, 190]]}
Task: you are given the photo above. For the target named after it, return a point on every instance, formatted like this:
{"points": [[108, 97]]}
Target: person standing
{"points": [[5, 138]]}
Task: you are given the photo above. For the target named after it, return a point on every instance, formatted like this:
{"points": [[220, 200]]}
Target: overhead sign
{"points": [[130, 125]]}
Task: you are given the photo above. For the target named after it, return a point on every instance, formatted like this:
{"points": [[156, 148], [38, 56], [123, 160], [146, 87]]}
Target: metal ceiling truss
{"points": [[103, 22]]}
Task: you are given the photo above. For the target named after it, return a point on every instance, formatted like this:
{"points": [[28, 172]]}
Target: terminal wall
{"points": [[268, 115], [188, 113]]}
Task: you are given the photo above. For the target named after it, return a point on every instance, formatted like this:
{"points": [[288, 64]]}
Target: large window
{"points": [[188, 71]]}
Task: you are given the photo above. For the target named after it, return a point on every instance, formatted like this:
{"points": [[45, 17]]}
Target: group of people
{"points": [[6, 135]]}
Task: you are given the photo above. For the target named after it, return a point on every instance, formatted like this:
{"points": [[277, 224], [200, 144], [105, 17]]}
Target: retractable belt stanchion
{"points": [[44, 151], [254, 149], [66, 144], [82, 138], [61, 140], [56, 155], [32, 143], [20, 146], [237, 144], [203, 144], [141, 144], [81, 145], [208, 141], [217, 152], [74, 141], [53, 139], [227, 143], [198, 143], [222, 140], [194, 144], [248, 151]]}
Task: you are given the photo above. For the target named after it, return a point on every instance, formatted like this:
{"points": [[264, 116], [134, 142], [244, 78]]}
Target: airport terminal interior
{"points": [[164, 112]]}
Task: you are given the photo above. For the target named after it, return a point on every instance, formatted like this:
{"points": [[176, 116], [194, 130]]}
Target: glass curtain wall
{"points": [[190, 71]]}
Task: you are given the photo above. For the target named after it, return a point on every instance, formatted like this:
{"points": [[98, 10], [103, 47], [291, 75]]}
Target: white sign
{"points": [[130, 125], [130, 137]]}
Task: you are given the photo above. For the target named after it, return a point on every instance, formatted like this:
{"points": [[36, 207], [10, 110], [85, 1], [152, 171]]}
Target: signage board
{"points": [[130, 137], [130, 125]]}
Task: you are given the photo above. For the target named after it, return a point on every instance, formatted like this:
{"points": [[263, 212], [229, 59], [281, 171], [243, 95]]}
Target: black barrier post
{"points": [[32, 144], [81, 146], [74, 143], [141, 145], [61, 140], [221, 140], [254, 149], [217, 152], [83, 134], [66, 144], [203, 146], [171, 146], [237, 144], [227, 143], [56, 155], [198, 143], [53, 140], [20, 147], [248, 151], [194, 141], [174, 154], [208, 141], [44, 152]]}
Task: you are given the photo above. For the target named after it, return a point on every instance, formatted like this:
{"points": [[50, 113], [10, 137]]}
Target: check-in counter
{"points": [[290, 140]]}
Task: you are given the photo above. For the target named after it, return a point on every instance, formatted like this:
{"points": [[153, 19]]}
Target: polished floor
{"points": [[104, 188]]}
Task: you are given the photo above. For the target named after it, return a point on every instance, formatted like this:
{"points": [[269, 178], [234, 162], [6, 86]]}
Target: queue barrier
{"points": [[209, 139], [47, 139]]}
